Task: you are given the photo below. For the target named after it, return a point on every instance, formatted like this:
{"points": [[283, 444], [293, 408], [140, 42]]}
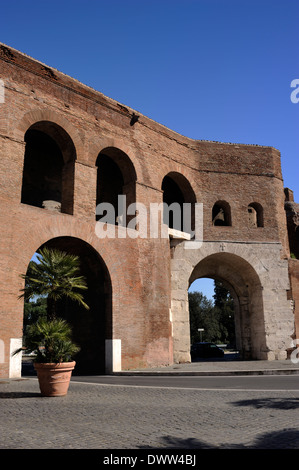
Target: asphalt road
{"points": [[153, 413], [261, 383]]}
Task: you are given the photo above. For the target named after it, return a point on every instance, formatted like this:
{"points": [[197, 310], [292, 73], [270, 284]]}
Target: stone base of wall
{"points": [[294, 292]]}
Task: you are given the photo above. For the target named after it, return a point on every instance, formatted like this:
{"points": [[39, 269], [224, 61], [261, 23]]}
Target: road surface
{"points": [[263, 382]]}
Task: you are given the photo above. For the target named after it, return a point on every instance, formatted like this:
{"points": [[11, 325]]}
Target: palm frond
{"points": [[54, 275], [50, 341]]}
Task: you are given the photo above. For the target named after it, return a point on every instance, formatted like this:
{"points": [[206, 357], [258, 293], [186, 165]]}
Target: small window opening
{"points": [[255, 215], [221, 215]]}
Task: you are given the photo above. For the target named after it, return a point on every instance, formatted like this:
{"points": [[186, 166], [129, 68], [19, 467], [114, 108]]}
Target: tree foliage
{"points": [[51, 341], [216, 318], [35, 309]]}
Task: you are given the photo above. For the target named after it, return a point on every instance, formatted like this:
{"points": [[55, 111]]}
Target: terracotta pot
{"points": [[54, 379]]}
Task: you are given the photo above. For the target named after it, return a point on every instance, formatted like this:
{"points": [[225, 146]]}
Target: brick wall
{"points": [[139, 269]]}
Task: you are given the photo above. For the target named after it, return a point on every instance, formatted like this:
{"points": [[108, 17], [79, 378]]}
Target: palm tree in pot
{"points": [[55, 275]]}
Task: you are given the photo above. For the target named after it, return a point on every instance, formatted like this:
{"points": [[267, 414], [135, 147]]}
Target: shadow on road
{"points": [[14, 395], [285, 439], [272, 403]]}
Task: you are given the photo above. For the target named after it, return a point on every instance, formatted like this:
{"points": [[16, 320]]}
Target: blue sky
{"points": [[209, 69]]}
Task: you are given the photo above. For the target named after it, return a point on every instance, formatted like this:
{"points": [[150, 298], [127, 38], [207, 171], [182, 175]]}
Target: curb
{"points": [[220, 373]]}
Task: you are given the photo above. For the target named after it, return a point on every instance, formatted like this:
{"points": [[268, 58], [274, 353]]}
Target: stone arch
{"points": [[258, 283], [241, 279]]}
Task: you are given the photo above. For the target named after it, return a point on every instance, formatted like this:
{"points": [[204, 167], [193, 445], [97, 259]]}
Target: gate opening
{"points": [[243, 283], [90, 327], [212, 321]]}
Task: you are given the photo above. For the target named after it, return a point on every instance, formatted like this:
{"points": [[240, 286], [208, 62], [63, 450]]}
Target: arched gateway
{"points": [[91, 328], [245, 286], [262, 330]]}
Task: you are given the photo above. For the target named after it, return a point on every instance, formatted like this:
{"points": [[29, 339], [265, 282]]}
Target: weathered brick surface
{"points": [[139, 269]]}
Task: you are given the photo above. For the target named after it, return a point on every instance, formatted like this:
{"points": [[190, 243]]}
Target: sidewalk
{"points": [[228, 365]]}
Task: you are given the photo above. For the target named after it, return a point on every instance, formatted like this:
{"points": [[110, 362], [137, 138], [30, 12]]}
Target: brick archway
{"points": [[50, 229], [46, 115], [101, 144], [92, 329]]}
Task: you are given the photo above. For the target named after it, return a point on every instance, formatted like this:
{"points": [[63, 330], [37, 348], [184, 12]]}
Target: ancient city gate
{"points": [[65, 149], [249, 273]]}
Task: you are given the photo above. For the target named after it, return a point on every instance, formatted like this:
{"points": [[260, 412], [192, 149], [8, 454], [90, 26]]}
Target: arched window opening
{"points": [[116, 177], [48, 173], [177, 190], [296, 245], [221, 214], [255, 215], [172, 194]]}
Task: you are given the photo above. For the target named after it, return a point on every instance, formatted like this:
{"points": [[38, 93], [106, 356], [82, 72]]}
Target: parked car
{"points": [[206, 350]]}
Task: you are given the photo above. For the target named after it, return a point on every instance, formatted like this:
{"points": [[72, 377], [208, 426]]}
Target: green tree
{"points": [[217, 319], [201, 316], [34, 309], [224, 306]]}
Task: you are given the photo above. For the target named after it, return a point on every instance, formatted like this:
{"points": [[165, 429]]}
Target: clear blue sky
{"points": [[208, 69]]}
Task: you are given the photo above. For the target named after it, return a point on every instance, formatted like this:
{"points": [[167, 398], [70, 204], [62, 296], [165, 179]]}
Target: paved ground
{"points": [[97, 416]]}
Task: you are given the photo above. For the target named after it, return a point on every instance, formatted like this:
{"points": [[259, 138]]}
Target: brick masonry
{"points": [[146, 309]]}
